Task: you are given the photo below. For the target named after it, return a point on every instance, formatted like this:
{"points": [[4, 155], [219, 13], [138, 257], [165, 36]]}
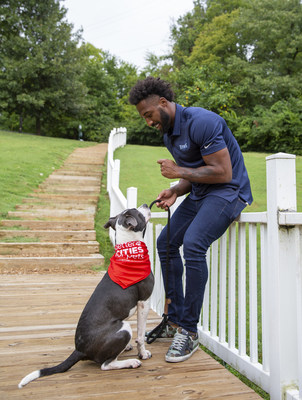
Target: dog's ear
{"points": [[131, 221], [111, 222]]}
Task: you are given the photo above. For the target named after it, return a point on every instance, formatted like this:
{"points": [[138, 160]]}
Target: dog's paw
{"points": [[145, 355], [129, 347], [134, 363]]}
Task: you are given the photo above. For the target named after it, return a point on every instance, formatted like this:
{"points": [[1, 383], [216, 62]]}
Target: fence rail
{"points": [[252, 311]]}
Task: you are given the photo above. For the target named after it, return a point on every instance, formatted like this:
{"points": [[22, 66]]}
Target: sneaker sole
{"points": [[180, 359], [160, 339]]}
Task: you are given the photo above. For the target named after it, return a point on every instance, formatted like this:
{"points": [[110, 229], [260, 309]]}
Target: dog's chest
{"points": [[130, 264]]}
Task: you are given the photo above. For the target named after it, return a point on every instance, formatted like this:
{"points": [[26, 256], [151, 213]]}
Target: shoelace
{"points": [[179, 340]]}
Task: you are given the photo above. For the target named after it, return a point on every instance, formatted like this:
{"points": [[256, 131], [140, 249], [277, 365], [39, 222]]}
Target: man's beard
{"points": [[165, 121]]}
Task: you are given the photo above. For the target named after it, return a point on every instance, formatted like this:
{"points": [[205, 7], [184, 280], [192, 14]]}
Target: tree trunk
{"points": [[38, 126], [20, 123]]}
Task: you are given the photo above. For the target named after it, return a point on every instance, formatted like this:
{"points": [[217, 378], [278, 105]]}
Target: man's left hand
{"points": [[168, 168]]}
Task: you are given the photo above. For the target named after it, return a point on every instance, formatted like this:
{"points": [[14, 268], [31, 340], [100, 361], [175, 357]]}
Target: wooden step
{"points": [[51, 211], [72, 180], [48, 225], [69, 171], [71, 191], [57, 215], [51, 264], [49, 249], [54, 205], [82, 160], [47, 236], [52, 185], [65, 197]]}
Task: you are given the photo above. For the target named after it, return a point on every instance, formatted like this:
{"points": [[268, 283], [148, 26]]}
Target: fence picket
{"points": [[242, 289], [232, 288], [214, 287], [222, 288], [253, 292]]}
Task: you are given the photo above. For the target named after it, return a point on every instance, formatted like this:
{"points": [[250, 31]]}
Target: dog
{"points": [[102, 333]]}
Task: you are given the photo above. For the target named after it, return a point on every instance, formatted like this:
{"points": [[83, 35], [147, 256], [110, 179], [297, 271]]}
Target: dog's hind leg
{"points": [[114, 363], [117, 364]]}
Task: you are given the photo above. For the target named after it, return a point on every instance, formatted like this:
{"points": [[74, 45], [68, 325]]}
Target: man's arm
{"points": [[218, 169]]}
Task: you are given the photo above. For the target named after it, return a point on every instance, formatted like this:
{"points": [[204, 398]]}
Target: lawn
{"points": [[139, 168], [26, 161]]}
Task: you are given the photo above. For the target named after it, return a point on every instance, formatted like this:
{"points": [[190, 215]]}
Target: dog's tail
{"points": [[74, 357]]}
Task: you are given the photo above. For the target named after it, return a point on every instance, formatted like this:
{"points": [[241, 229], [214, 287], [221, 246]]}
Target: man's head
{"points": [[153, 99]]}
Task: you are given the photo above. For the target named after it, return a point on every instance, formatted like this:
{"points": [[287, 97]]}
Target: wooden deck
{"points": [[38, 315]]}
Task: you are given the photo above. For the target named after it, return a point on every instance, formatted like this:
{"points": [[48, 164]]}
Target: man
{"points": [[210, 167]]}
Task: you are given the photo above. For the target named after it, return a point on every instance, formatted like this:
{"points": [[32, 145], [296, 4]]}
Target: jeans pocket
{"points": [[239, 207]]}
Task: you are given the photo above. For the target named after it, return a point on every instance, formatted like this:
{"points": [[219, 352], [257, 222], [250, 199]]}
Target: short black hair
{"points": [[149, 87]]}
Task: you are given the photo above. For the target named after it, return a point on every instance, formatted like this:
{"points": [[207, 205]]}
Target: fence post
{"points": [[131, 197], [282, 298]]}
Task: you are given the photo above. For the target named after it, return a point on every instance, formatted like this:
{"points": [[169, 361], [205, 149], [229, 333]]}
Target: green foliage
{"points": [[245, 64], [286, 118], [39, 65], [239, 58], [185, 32]]}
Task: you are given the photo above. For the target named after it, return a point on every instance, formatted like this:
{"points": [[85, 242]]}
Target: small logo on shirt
{"points": [[207, 145], [183, 146]]}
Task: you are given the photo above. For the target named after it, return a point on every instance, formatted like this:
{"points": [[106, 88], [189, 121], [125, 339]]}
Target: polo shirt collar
{"points": [[177, 119]]}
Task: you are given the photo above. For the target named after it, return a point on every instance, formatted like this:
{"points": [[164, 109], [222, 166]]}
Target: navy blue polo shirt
{"points": [[198, 132]]}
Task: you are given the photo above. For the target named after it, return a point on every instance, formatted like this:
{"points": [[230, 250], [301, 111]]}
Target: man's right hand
{"points": [[167, 197]]}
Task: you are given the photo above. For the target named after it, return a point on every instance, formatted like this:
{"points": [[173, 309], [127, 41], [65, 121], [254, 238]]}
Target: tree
{"points": [[245, 64], [185, 31], [40, 64], [108, 82]]}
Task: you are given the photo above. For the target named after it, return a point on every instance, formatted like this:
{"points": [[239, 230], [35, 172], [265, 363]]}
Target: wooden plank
{"points": [[49, 225], [33, 334], [49, 249]]}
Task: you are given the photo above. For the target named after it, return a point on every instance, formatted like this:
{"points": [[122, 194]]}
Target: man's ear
{"points": [[111, 222], [163, 101]]}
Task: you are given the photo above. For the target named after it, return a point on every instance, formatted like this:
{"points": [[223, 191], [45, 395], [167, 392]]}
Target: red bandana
{"points": [[130, 263]]}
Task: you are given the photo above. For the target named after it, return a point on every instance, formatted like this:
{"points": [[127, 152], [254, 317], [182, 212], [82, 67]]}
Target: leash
{"points": [[154, 334]]}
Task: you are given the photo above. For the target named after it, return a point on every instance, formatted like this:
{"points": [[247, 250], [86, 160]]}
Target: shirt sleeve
{"points": [[207, 133]]}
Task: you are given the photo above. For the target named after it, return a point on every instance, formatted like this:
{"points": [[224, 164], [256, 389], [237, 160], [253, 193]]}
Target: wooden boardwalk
{"points": [[53, 228], [38, 315]]}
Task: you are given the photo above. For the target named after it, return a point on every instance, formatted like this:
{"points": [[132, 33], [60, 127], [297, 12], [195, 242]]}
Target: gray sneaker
{"points": [[182, 347], [167, 332]]}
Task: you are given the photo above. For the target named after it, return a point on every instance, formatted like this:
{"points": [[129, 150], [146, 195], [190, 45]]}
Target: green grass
{"points": [[139, 168], [26, 161]]}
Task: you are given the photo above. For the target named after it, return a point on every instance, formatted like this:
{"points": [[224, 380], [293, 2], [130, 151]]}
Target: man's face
{"points": [[155, 112]]}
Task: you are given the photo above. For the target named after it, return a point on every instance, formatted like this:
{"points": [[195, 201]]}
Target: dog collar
{"points": [[130, 263]]}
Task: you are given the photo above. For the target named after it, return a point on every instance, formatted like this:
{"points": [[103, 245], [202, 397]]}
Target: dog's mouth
{"points": [[145, 210]]}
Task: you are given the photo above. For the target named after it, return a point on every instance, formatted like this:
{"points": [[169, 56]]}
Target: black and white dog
{"points": [[102, 333]]}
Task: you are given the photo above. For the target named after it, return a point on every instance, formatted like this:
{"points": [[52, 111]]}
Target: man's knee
{"points": [[194, 249], [161, 242]]}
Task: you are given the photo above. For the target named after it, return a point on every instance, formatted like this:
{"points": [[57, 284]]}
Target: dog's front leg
{"points": [[142, 314]]}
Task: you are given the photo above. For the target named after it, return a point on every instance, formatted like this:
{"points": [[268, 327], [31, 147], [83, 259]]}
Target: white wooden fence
{"points": [[252, 311]]}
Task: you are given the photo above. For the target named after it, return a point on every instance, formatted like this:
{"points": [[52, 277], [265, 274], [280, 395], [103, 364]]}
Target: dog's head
{"points": [[130, 224]]}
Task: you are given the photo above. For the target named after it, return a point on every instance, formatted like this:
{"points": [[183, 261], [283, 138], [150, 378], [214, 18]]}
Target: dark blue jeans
{"points": [[196, 224]]}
